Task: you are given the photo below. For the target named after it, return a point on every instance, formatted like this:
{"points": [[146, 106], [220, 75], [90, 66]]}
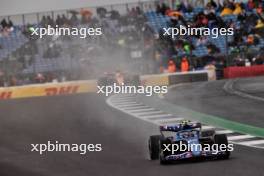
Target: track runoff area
{"points": [[130, 104]]}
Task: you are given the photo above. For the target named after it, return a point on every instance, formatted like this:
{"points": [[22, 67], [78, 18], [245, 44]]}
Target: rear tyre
{"points": [[222, 139], [153, 144]]}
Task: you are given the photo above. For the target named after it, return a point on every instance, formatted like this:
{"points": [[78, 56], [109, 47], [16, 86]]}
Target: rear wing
{"points": [[181, 127]]}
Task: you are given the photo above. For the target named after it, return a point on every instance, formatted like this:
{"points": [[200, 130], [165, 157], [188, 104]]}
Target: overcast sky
{"points": [[11, 7]]}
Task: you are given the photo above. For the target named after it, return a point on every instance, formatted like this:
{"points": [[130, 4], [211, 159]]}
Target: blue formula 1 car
{"points": [[187, 140]]}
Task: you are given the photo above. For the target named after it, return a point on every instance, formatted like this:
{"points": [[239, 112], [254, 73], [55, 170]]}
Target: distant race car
{"points": [[163, 147], [109, 79]]}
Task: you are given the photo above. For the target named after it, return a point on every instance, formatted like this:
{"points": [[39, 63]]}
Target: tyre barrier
{"points": [[174, 78], [154, 80], [238, 72], [110, 80]]}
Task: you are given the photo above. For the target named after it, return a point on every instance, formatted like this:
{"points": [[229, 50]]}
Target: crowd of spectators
{"points": [[5, 28], [248, 30], [130, 32], [119, 33]]}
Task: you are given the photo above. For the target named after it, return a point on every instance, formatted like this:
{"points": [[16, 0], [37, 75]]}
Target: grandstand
{"points": [[123, 30], [11, 42]]}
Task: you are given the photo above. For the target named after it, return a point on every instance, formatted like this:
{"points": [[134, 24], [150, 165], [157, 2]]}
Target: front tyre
{"points": [[153, 145], [162, 153], [222, 139]]}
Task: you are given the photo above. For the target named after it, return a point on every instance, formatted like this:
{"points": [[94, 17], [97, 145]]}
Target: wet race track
{"points": [[86, 118]]}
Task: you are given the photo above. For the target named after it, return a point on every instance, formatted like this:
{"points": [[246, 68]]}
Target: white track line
{"points": [[123, 106], [224, 131], [229, 87], [207, 127], [233, 138], [157, 116], [150, 112], [142, 110], [127, 103], [164, 121], [124, 100], [136, 108], [249, 143]]}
